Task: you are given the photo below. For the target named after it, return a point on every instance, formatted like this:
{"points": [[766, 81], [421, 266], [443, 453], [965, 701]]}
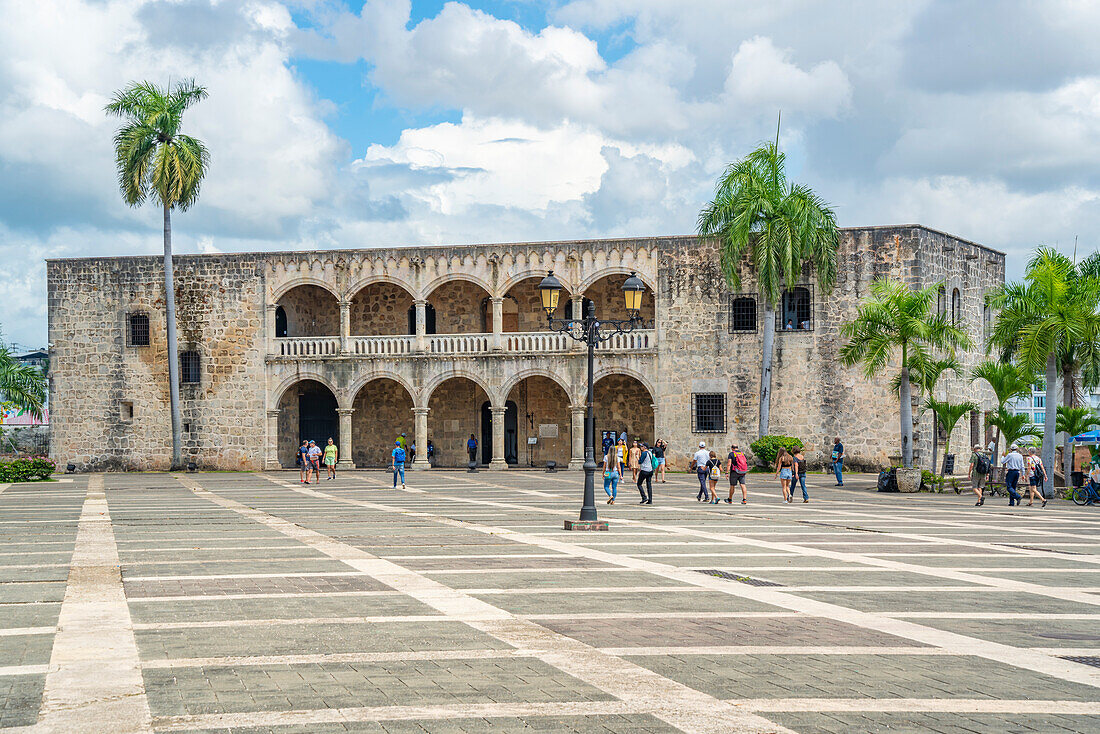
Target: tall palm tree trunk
{"points": [[766, 369], [1068, 400], [936, 441], [173, 348], [906, 417], [1050, 420]]}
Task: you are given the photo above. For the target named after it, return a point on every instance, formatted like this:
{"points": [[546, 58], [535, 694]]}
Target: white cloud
{"points": [[764, 76]]}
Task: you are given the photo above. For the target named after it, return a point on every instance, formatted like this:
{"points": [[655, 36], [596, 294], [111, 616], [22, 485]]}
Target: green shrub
{"points": [[26, 470], [766, 448]]}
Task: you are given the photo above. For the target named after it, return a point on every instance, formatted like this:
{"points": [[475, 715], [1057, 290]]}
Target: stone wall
{"points": [[459, 308], [455, 413], [622, 403], [548, 405], [380, 309], [383, 411], [93, 372], [525, 302], [310, 311], [609, 301]]}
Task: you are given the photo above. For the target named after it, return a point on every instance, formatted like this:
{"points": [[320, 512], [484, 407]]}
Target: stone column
{"points": [[576, 461], [577, 304], [420, 435], [271, 455], [421, 326], [498, 461], [345, 327], [269, 328], [345, 460], [498, 326]]}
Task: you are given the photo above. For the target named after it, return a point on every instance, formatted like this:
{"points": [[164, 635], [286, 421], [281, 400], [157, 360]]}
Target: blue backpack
{"points": [[399, 455]]}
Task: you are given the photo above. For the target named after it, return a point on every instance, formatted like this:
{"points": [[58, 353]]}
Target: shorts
{"points": [[330, 461], [737, 477], [1035, 482], [977, 481], [786, 473], [660, 462]]}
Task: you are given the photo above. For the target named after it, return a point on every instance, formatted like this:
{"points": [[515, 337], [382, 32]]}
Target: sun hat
{"points": [[702, 445]]}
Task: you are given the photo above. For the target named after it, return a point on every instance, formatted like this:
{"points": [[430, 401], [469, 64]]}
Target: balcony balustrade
{"points": [[533, 342]]}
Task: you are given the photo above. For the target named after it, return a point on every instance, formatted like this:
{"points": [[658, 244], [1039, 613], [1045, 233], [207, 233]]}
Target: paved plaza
{"points": [[251, 603]]}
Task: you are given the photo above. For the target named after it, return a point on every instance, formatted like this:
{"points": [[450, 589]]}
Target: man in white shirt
{"points": [[1013, 463], [702, 456]]}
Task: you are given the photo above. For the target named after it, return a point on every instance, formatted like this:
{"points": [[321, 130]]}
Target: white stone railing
{"points": [[537, 341], [307, 346], [639, 339], [459, 343], [382, 345]]}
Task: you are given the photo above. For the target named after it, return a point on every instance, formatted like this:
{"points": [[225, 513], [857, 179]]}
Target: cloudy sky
{"points": [[389, 122]]}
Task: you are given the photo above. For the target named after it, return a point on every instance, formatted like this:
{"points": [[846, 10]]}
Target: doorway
{"points": [[511, 433]]}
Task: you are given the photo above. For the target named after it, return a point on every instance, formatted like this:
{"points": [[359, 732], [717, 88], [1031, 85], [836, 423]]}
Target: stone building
{"points": [[442, 343]]}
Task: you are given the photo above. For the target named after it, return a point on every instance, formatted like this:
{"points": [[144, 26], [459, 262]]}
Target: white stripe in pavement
{"points": [[94, 673], [674, 703], [224, 576], [776, 650], [960, 643], [265, 595], [10, 670], [923, 705], [12, 631], [295, 621]]}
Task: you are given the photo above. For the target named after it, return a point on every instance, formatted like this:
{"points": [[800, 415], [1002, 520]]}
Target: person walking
{"points": [[800, 473], [315, 460], [397, 464], [1013, 463], [303, 462], [784, 469], [737, 467], [632, 460], [978, 473], [699, 464], [838, 461], [645, 474], [714, 473], [1036, 477], [331, 453], [404, 441], [471, 449], [612, 473], [608, 442], [658, 452]]}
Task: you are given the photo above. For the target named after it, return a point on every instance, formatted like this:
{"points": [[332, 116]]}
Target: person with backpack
{"points": [[1037, 476], [784, 469], [800, 473], [838, 461], [315, 460], [714, 473], [737, 466], [302, 461], [645, 474], [699, 464], [978, 473], [612, 473], [397, 464]]}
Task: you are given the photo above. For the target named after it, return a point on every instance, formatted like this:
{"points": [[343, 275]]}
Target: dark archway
{"points": [[307, 411], [310, 310], [542, 411], [382, 412], [511, 447], [454, 414]]}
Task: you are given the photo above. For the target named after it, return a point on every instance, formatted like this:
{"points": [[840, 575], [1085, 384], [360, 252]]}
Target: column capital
{"points": [[343, 303], [419, 410], [273, 412], [496, 299], [345, 411], [495, 410], [271, 306], [578, 408], [420, 301]]}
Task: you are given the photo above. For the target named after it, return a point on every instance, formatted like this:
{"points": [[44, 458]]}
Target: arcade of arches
{"points": [[536, 407]]}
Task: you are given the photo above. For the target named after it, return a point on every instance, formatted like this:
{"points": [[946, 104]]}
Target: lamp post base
{"points": [[586, 524]]}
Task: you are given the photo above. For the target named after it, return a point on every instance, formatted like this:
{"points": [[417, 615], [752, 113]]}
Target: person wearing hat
{"points": [[645, 469], [315, 461], [1013, 463], [699, 464], [978, 473], [737, 467], [397, 463], [403, 441]]}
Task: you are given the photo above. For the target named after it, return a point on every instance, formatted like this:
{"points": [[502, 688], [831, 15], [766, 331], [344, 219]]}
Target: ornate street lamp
{"points": [[592, 332]]}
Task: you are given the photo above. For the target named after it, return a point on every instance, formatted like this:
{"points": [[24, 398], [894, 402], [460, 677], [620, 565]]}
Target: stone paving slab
{"points": [[19, 699], [251, 585], [938, 723], [44, 591], [623, 602], [25, 649], [950, 600], [303, 607], [536, 580], [596, 724], [29, 615], [1036, 631]]}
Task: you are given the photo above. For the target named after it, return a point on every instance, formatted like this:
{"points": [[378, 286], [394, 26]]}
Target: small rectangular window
{"points": [[797, 310], [1040, 401], [189, 368], [1040, 418], [137, 329], [126, 411], [742, 313], [708, 412]]}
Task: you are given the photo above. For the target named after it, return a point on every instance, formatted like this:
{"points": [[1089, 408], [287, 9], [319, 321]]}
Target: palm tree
{"points": [[947, 416], [780, 226], [1071, 422], [1042, 319], [155, 159], [22, 386], [925, 374], [1013, 427], [1008, 382], [895, 318]]}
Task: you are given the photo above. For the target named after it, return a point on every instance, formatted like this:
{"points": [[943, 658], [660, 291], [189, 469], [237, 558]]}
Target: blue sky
{"points": [[390, 122]]}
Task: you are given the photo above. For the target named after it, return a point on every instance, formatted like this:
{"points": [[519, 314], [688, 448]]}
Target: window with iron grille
{"points": [[137, 329], [708, 412], [189, 367], [797, 310], [742, 313]]}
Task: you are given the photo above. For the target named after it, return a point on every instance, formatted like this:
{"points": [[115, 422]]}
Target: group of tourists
{"points": [[642, 460], [311, 456], [1026, 466]]}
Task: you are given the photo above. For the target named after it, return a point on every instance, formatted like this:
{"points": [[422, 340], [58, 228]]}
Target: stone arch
{"points": [[538, 273], [290, 285], [382, 374], [625, 371], [457, 303], [307, 409], [530, 316], [540, 372], [382, 406], [380, 306], [374, 278], [431, 287], [310, 310], [623, 402], [435, 382], [603, 272], [542, 412], [606, 294], [297, 377], [455, 411]]}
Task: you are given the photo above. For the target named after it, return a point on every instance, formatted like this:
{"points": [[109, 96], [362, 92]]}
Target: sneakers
{"points": [[805, 501], [729, 502], [744, 502]]}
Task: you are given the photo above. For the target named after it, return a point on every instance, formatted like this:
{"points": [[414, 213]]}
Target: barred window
{"points": [[189, 367], [137, 329], [797, 310], [742, 313], [708, 412]]}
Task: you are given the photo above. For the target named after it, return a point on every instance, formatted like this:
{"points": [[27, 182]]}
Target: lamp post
{"points": [[592, 332]]}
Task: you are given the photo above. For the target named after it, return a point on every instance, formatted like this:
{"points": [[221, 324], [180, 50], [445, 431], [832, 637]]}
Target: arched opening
{"points": [[310, 311], [511, 421], [607, 299], [458, 310], [623, 404], [307, 411], [380, 309], [523, 307], [510, 314], [280, 321], [429, 319], [542, 412], [941, 301], [383, 411], [454, 414], [987, 324], [956, 307]]}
